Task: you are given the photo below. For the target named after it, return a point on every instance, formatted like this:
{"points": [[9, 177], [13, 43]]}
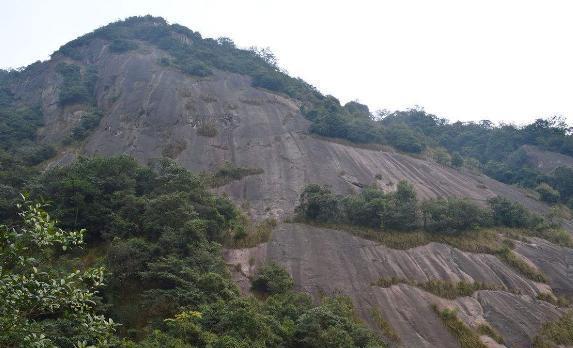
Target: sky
{"points": [[509, 61]]}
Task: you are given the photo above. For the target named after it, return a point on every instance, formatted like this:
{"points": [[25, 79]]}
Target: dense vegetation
{"points": [[401, 210], [39, 299], [157, 230]]}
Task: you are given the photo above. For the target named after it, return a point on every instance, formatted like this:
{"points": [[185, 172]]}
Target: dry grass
{"points": [[387, 329], [442, 288], [556, 333], [229, 172], [251, 235], [485, 329], [207, 129], [558, 301], [517, 263], [466, 337]]}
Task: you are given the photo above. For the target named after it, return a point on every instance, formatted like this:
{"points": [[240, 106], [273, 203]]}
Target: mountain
{"points": [[147, 89]]}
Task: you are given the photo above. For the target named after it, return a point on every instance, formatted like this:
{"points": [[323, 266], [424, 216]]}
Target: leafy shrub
{"points": [[512, 214], [88, 122], [453, 215], [73, 89], [36, 297], [317, 203], [401, 212], [272, 279], [197, 69]]}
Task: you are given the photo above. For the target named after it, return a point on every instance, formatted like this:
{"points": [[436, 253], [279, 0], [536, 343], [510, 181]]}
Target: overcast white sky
{"points": [[503, 60]]}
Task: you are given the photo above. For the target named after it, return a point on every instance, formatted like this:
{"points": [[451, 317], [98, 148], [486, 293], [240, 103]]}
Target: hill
{"points": [[147, 89]]}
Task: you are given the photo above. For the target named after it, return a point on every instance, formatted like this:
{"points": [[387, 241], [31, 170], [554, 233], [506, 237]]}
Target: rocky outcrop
{"points": [[326, 261]]}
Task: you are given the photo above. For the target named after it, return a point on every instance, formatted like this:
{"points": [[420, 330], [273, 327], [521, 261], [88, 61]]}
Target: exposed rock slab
{"points": [[554, 261], [325, 261]]}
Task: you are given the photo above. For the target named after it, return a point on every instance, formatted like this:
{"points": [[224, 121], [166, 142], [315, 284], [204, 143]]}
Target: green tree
{"points": [[401, 212], [35, 296], [272, 279], [317, 203]]}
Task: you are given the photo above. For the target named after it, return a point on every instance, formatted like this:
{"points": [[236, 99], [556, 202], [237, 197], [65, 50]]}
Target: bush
{"points": [[511, 214], [272, 279], [401, 212], [317, 203], [547, 193], [73, 89], [88, 121], [453, 215]]}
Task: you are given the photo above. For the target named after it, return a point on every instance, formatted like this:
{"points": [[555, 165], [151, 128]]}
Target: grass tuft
{"points": [[485, 329], [556, 333], [442, 288], [466, 337]]}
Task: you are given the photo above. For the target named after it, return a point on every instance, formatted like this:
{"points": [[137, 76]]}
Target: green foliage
{"points": [[35, 297], [559, 301], [317, 203], [18, 126], [272, 279], [401, 212], [563, 181], [466, 337], [453, 215], [88, 121], [284, 319], [74, 88], [370, 208], [512, 214], [161, 222]]}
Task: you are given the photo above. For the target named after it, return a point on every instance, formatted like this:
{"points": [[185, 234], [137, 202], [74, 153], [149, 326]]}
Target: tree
{"points": [[510, 214], [35, 296], [317, 203], [401, 211], [453, 215], [272, 279]]}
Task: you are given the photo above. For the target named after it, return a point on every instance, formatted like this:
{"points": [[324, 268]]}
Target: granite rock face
{"points": [[326, 261], [152, 111]]}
